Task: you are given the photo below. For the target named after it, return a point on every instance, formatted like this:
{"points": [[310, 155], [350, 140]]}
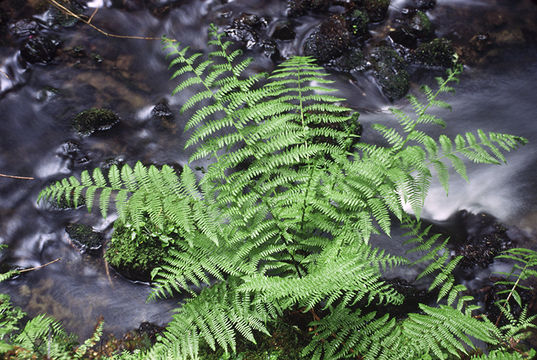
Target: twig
{"points": [[88, 22], [92, 15], [17, 177], [6, 75], [107, 270], [40, 266]]}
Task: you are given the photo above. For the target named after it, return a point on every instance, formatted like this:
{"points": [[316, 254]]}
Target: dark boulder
{"points": [[85, 239], [39, 49], [390, 72], [162, 112], [411, 28], [329, 40], [438, 52], [94, 119], [246, 28]]}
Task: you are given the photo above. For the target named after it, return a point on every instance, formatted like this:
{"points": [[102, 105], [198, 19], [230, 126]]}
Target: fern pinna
{"points": [[282, 217]]}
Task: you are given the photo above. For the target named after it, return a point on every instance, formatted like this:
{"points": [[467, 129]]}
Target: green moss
{"points": [[438, 52], [390, 72], [358, 22], [94, 119], [136, 252]]}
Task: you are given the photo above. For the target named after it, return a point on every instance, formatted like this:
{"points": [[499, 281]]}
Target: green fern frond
{"points": [[215, 315]]}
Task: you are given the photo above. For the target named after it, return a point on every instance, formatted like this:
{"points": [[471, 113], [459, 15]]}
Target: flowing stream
{"points": [[37, 103]]}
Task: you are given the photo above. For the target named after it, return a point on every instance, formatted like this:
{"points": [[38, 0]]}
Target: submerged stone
{"points": [[94, 119]]}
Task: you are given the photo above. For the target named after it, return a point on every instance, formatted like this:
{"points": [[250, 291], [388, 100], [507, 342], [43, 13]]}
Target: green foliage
{"points": [[139, 250], [524, 267], [41, 337], [282, 218]]}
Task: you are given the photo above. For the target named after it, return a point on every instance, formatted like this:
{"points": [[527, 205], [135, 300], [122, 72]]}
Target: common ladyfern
{"points": [[282, 218]]}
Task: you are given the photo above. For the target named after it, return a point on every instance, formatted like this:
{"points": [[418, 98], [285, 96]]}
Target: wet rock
{"points": [[270, 50], [94, 119], [39, 49], [246, 28], [162, 112], [329, 40], [72, 153], [438, 52], [376, 9], [411, 28], [283, 31], [118, 161], [24, 28], [351, 60], [301, 7], [390, 72], [483, 239], [85, 239], [358, 21]]}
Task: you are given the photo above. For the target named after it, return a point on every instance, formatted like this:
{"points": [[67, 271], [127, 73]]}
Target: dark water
{"points": [[38, 102]]}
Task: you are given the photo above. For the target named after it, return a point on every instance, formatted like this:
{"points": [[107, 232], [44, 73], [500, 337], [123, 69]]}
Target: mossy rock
{"points": [[390, 72], [85, 239], [438, 52], [135, 253], [94, 119], [358, 21], [331, 39]]}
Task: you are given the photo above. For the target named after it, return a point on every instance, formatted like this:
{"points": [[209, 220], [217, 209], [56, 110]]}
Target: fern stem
{"points": [[511, 293]]}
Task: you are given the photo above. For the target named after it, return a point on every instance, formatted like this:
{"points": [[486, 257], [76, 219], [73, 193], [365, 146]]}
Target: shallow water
{"points": [[37, 103]]}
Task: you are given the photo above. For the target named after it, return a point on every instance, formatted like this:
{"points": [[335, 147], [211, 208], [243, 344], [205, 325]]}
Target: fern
{"points": [[525, 267], [282, 218]]}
